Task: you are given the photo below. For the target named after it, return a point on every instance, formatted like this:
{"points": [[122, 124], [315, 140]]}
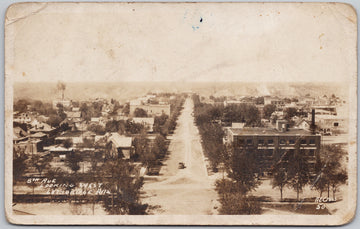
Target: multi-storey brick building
{"points": [[273, 144]]}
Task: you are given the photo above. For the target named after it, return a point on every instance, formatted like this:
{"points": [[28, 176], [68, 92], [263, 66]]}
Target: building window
{"points": [[270, 142], [269, 152], [311, 153], [261, 141], [249, 142], [291, 142], [303, 142], [240, 142], [312, 141], [336, 124], [282, 142]]}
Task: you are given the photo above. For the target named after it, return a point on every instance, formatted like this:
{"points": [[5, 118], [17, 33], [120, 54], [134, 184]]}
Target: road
{"points": [[186, 191]]}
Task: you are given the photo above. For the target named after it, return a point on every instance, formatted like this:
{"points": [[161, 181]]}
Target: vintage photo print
{"points": [[181, 113]]}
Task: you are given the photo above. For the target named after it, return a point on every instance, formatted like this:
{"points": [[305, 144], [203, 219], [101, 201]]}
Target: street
{"points": [[187, 191]]}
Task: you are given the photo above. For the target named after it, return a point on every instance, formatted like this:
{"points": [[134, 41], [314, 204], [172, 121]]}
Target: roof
{"points": [[42, 127], [149, 121], [267, 131], [19, 133], [59, 149], [73, 114], [120, 141], [38, 135]]}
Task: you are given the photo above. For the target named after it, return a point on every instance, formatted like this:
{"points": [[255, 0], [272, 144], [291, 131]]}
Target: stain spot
{"points": [[322, 34], [278, 12], [321, 47], [201, 20], [133, 9], [111, 53], [23, 74], [260, 15]]}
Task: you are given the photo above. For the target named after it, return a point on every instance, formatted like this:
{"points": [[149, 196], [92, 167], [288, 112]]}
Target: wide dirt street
{"points": [[186, 191]]}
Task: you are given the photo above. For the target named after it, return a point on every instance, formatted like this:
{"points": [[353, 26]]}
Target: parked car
{"points": [[182, 165]]}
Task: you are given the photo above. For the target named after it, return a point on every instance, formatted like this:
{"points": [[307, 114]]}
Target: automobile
{"points": [[182, 165]]}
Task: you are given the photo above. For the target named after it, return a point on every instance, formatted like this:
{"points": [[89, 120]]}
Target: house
{"points": [[121, 146], [147, 122], [19, 135], [41, 127], [75, 116], [332, 124], [151, 109], [23, 118]]}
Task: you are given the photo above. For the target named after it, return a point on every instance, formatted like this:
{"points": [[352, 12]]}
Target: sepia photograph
{"points": [[180, 113]]}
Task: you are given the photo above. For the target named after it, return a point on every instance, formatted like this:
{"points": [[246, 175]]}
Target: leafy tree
{"points": [[68, 143], [97, 129], [268, 110], [298, 170], [279, 178], [73, 160], [115, 126], [233, 201], [85, 112], [243, 170], [21, 105], [124, 188], [140, 147], [19, 163], [139, 112], [54, 120], [290, 112], [332, 172], [41, 163], [61, 86]]}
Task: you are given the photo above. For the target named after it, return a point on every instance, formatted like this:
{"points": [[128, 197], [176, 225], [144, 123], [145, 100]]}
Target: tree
{"points": [[98, 129], [41, 163], [290, 112], [140, 147], [68, 143], [279, 178], [21, 105], [124, 197], [139, 112], [19, 163], [233, 201], [243, 170], [61, 86], [85, 112], [268, 110], [297, 170], [332, 172], [54, 120], [72, 161]]}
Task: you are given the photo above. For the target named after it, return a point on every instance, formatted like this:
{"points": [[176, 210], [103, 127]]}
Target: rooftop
{"points": [[267, 131]]}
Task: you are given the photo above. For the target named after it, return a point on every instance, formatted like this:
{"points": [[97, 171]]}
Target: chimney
{"points": [[313, 126]]}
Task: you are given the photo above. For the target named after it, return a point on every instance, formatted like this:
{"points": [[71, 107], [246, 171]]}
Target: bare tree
{"points": [[61, 86]]}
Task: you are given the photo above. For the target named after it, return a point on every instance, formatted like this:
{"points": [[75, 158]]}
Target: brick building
{"points": [[272, 143]]}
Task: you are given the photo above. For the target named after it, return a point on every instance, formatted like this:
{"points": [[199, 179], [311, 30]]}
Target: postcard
{"points": [[180, 113]]}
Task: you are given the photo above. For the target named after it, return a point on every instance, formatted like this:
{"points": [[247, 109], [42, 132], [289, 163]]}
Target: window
{"points": [[303, 142], [261, 141], [311, 153], [282, 142], [269, 152], [240, 142], [312, 141], [292, 142], [249, 142], [336, 124], [270, 141]]}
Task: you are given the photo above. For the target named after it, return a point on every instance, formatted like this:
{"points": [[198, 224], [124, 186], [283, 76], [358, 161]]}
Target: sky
{"points": [[291, 42]]}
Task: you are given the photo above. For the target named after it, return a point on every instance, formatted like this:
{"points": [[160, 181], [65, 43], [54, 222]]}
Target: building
{"points": [[121, 146], [151, 109], [272, 143], [147, 122]]}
